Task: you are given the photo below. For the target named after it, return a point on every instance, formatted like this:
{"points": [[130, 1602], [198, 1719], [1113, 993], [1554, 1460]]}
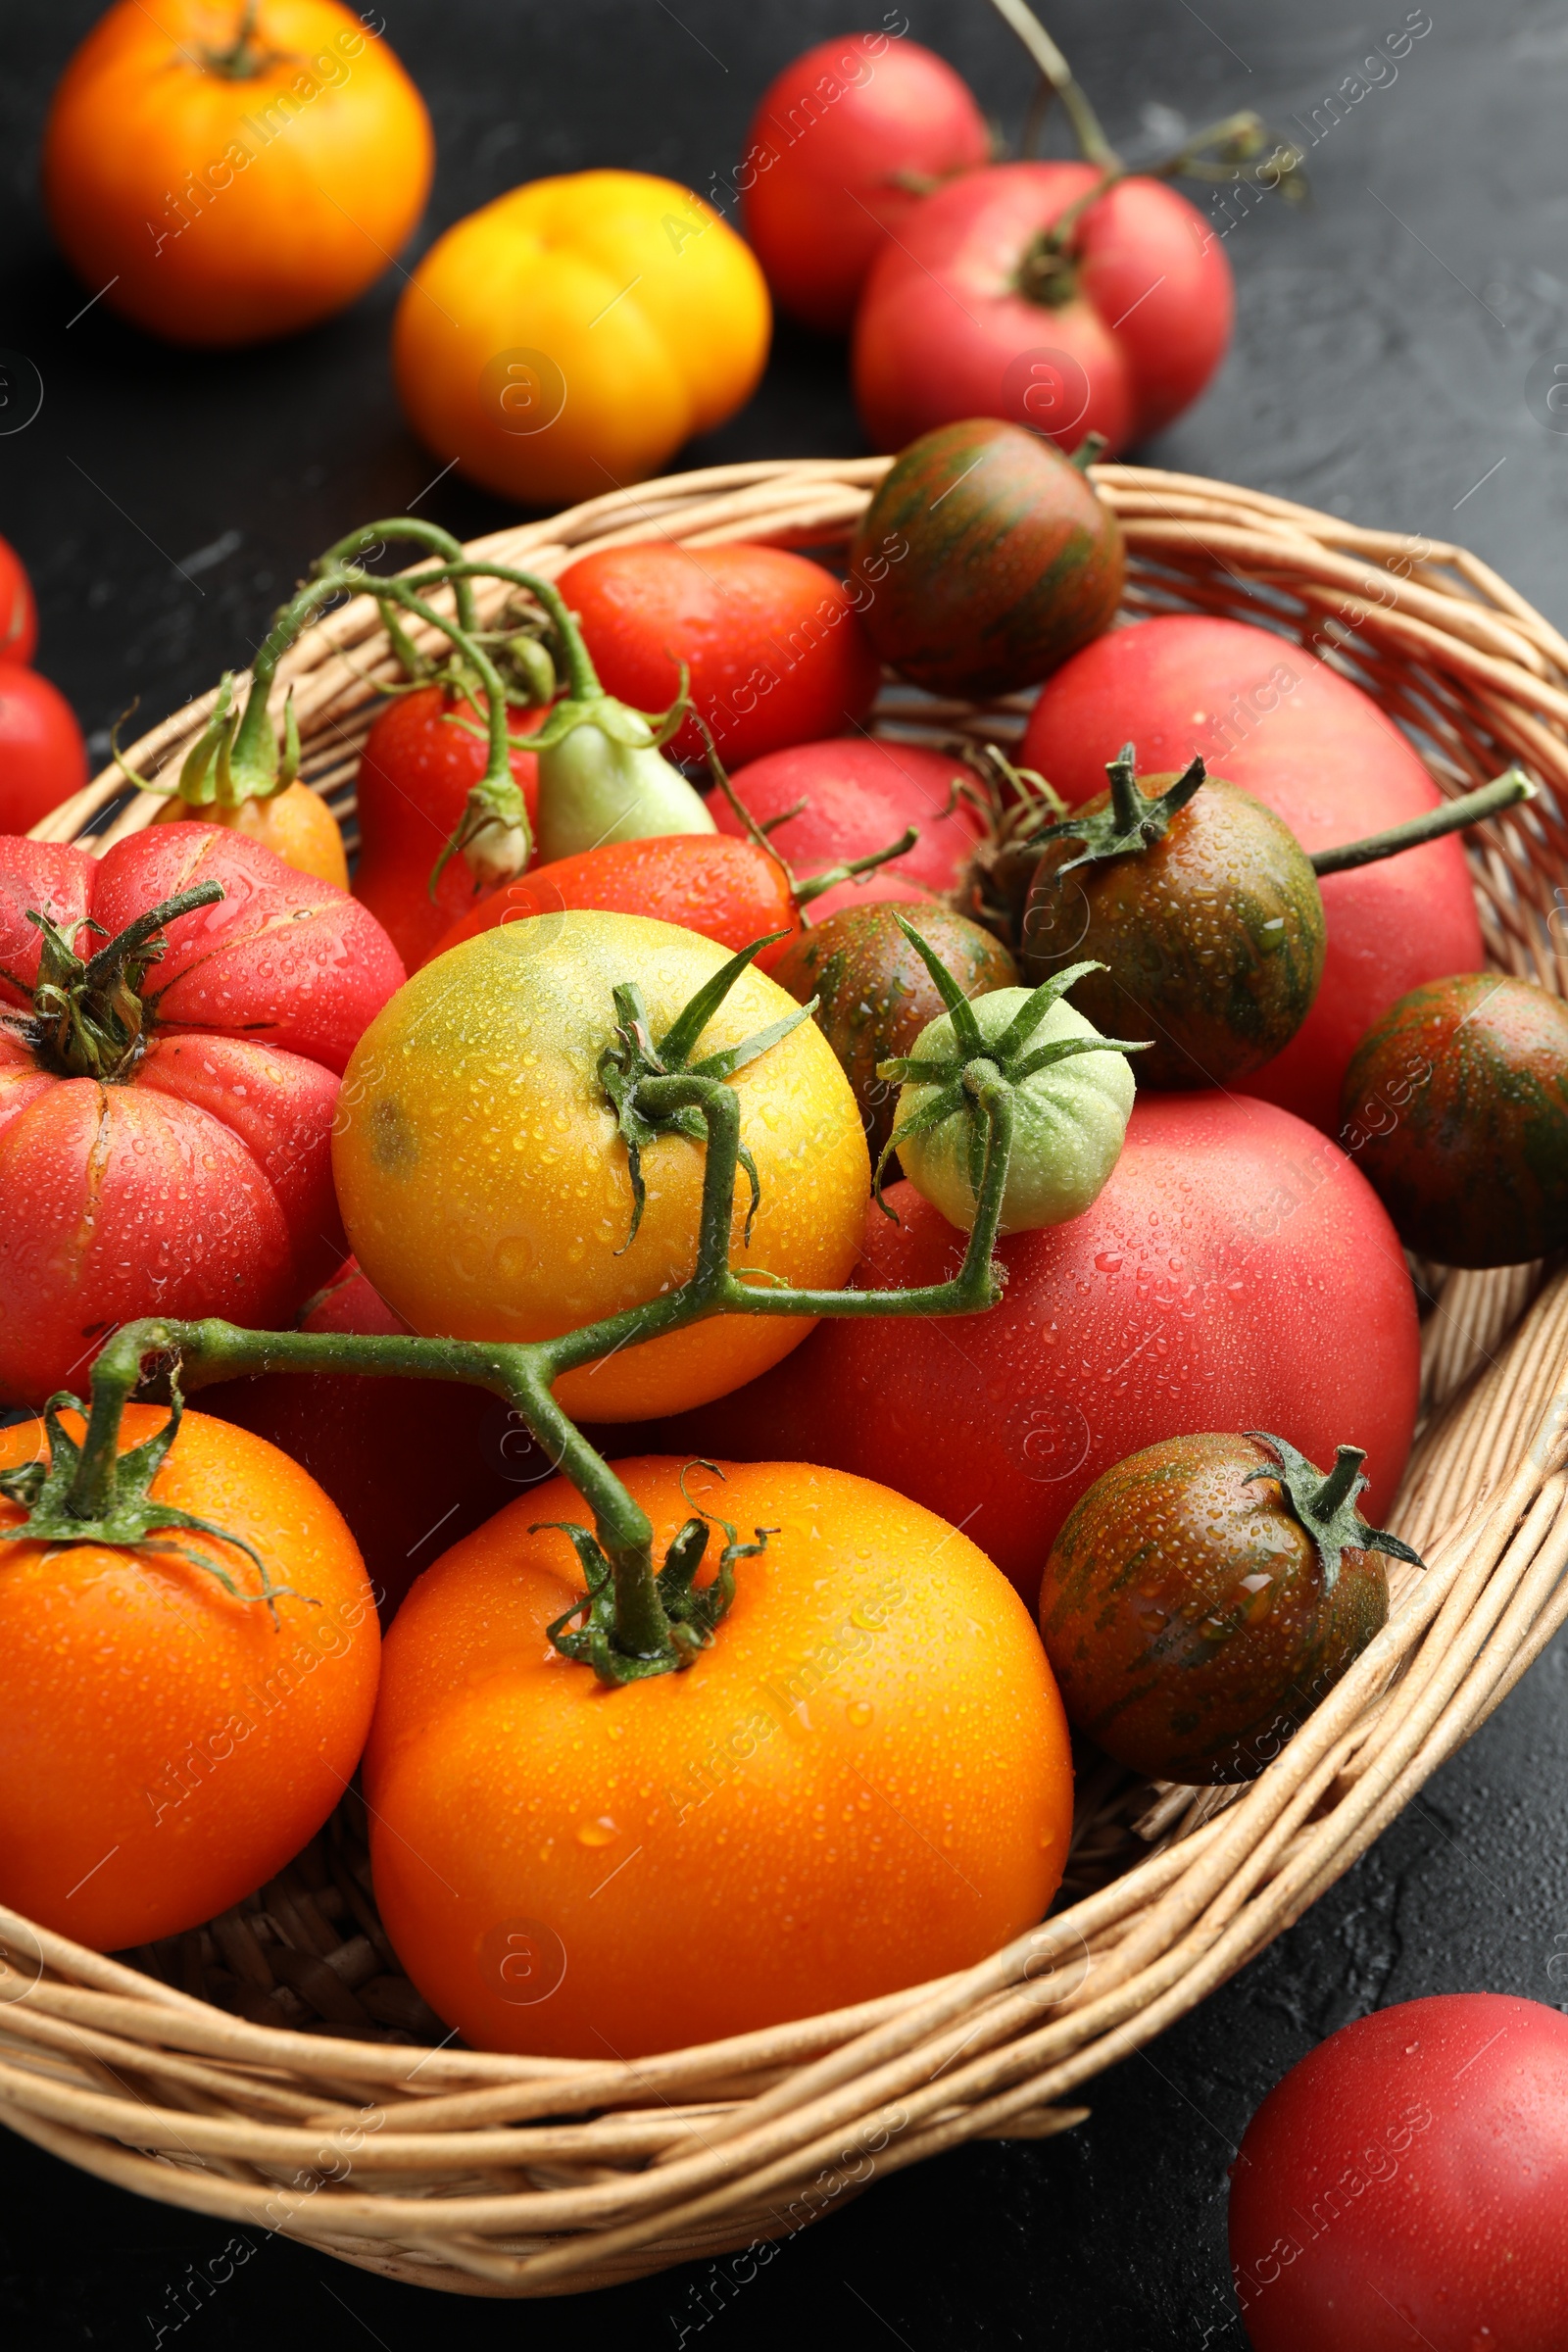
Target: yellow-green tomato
{"points": [[1070, 1123], [485, 1185]]}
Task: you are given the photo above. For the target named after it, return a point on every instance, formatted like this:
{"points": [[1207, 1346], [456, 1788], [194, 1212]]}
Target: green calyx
{"points": [[88, 1019], [679, 1619], [1133, 822], [96, 1495], [1326, 1506], [643, 1079], [244, 57], [237, 756], [981, 1070]]}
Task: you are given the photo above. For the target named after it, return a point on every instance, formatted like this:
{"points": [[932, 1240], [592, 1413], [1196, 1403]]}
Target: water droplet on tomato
{"points": [[859, 1713], [602, 1832]]}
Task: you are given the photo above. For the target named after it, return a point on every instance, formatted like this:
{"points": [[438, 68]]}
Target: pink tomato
{"points": [[969, 315]]}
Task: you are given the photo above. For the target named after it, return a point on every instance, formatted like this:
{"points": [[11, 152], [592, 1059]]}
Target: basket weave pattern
{"points": [[277, 2069]]}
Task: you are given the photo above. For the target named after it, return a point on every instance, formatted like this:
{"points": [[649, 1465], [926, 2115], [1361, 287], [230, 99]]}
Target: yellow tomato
{"points": [[484, 1184], [224, 171], [296, 824], [572, 335]]}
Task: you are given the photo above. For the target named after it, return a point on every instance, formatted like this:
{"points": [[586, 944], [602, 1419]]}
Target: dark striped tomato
{"points": [[1189, 1617], [730, 891], [1212, 938], [984, 559], [1455, 1107]]}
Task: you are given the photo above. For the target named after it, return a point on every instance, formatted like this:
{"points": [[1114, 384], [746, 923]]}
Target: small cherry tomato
{"points": [[423, 754], [730, 891], [843, 145], [573, 333], [859, 795], [1405, 2185], [19, 613], [774, 645], [43, 759], [973, 311], [295, 824], [1455, 1107], [809, 1806], [222, 173], [486, 1186], [196, 1737]]}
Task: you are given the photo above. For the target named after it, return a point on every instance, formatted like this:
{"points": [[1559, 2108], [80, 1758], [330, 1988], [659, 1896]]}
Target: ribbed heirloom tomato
{"points": [[486, 1189], [573, 333], [813, 1814], [224, 172], [166, 1744], [167, 1088]]}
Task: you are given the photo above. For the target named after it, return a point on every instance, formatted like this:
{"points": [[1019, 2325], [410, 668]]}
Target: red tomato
{"points": [[860, 794], [731, 890], [839, 145], [1405, 2185], [418, 766], [194, 1177], [43, 760], [1236, 1272], [1125, 340], [412, 1464], [18, 615], [774, 646], [1269, 716]]}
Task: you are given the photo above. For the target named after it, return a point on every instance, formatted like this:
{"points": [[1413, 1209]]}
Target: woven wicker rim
{"points": [[433, 2165]]}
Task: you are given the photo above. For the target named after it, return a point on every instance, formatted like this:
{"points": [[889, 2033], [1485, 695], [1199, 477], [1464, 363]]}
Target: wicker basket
{"points": [[277, 2070]]}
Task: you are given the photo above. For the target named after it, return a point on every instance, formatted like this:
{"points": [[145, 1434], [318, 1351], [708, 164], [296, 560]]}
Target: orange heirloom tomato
{"points": [[865, 1781], [166, 1746], [573, 333], [484, 1184], [226, 172], [295, 824]]}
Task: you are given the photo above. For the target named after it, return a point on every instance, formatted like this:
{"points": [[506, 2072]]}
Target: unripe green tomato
{"points": [[1070, 1123]]}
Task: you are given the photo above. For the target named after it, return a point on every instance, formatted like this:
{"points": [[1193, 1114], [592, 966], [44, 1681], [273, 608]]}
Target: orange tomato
{"points": [[865, 1782], [573, 333], [165, 1745], [296, 824], [485, 1182], [226, 172]]}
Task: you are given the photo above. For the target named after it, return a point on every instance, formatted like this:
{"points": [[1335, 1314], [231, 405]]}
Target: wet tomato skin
{"points": [[1213, 939], [1188, 1617], [1455, 1107], [1405, 2185]]}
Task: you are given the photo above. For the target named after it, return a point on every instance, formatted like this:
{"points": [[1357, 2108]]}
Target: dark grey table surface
{"points": [[164, 503]]}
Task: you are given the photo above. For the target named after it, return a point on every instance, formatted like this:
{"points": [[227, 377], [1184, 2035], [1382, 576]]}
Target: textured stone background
{"points": [[164, 503]]}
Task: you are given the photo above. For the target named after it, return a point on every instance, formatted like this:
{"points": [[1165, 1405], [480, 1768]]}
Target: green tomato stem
{"points": [[1503, 792]]}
